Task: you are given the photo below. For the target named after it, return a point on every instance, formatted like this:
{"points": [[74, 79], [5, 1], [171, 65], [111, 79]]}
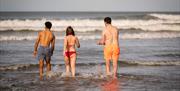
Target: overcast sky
{"points": [[90, 5]]}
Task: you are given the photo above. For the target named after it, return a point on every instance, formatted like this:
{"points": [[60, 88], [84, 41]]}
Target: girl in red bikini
{"points": [[69, 52]]}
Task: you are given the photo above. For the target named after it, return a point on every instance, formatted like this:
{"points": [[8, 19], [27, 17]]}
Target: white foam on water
{"points": [[56, 71], [166, 16], [13, 37], [154, 63], [142, 35], [164, 22], [85, 73], [14, 67], [150, 35]]}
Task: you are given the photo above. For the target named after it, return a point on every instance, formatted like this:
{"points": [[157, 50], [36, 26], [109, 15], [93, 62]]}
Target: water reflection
{"points": [[111, 85]]}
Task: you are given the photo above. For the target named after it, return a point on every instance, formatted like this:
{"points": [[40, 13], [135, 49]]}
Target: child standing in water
{"points": [[110, 40], [46, 43], [70, 41]]}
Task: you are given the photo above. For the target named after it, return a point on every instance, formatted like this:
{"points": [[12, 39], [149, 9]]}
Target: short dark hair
{"points": [[107, 20], [48, 24], [69, 31]]}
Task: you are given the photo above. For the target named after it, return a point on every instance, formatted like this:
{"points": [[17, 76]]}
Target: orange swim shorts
{"points": [[111, 52]]}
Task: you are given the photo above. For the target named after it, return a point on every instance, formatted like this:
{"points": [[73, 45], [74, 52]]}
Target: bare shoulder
{"points": [[52, 34], [65, 37], [104, 31], [76, 37], [51, 31], [115, 28], [40, 32]]}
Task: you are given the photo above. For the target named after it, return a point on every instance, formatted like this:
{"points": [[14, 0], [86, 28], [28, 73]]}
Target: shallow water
{"points": [[130, 78], [136, 50], [144, 64]]}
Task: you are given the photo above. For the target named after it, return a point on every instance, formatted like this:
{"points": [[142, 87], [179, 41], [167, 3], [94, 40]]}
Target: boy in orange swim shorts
{"points": [[110, 40]]}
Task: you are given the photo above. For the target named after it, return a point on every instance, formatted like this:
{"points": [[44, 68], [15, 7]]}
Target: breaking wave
{"points": [[123, 63], [143, 35], [166, 16], [168, 22]]}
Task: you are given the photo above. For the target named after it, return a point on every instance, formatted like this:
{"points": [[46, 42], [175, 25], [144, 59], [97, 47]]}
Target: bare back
{"points": [[70, 42], [45, 38], [111, 35]]}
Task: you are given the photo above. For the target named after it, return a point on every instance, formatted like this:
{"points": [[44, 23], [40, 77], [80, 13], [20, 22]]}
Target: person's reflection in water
{"points": [[111, 85]]}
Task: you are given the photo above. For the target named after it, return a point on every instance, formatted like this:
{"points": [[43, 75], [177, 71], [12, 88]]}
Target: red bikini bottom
{"points": [[69, 53]]}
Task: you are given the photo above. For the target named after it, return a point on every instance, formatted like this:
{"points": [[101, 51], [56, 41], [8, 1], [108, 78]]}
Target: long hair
{"points": [[69, 31]]}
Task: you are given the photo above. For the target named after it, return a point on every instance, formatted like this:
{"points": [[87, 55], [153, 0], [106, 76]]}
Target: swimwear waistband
{"points": [[44, 46], [111, 45]]}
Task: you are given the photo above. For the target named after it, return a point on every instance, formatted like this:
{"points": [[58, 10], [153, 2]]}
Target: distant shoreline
{"points": [[176, 12]]}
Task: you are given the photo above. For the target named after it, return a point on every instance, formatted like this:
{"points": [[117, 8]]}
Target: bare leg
{"points": [[41, 65], [48, 66], [107, 67], [67, 63], [73, 65], [115, 68]]}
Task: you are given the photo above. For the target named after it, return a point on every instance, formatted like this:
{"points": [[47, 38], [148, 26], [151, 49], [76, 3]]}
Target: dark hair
{"points": [[48, 25], [107, 20], [69, 31]]}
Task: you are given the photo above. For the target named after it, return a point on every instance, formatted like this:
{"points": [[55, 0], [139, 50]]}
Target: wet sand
{"points": [[130, 78]]}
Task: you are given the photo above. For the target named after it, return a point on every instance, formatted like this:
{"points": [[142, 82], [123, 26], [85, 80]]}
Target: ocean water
{"points": [[149, 58]]}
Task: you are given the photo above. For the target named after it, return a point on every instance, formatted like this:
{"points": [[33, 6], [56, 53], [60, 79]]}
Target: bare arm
{"points": [[102, 40], [36, 45], [52, 44], [65, 46], [77, 43], [117, 36]]}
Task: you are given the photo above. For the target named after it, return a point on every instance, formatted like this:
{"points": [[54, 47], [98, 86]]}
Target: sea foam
{"points": [[163, 22]]}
